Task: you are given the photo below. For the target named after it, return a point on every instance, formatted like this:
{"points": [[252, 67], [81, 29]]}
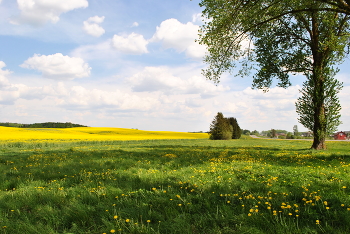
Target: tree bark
{"points": [[318, 76]]}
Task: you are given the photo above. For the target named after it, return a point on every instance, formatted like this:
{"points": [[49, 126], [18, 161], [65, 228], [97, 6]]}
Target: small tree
{"points": [[295, 130], [236, 130], [273, 133], [220, 129]]}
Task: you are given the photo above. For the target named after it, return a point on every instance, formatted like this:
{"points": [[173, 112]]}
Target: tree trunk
{"points": [[319, 56], [320, 128]]}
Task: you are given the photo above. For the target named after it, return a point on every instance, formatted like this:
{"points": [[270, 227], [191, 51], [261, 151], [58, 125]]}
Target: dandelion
{"points": [[327, 208], [178, 196], [249, 214], [115, 216], [317, 221], [344, 187], [148, 221], [112, 231], [325, 203], [228, 201], [127, 220]]}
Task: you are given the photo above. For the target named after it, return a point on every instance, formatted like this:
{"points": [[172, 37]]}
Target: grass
{"points": [[174, 186]]}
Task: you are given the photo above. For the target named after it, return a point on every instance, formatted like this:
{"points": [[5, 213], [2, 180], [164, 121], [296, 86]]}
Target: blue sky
{"points": [[129, 64]]}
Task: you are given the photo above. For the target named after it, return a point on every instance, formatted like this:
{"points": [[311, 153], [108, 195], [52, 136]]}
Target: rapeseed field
{"points": [[89, 133], [173, 186]]}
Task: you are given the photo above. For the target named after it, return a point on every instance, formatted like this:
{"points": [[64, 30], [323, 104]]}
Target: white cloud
{"points": [[135, 24], [82, 98], [92, 28], [181, 37], [96, 19], [163, 79], [38, 12], [131, 44], [273, 93], [3, 73], [197, 18], [102, 50], [58, 66]]}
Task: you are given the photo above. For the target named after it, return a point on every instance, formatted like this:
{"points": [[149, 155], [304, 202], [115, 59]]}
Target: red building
{"points": [[340, 136]]}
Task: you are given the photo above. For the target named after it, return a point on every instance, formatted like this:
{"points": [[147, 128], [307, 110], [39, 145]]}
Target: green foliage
{"points": [[224, 128], [236, 130], [220, 128], [42, 125], [289, 37], [295, 130], [243, 186], [306, 106], [273, 133]]}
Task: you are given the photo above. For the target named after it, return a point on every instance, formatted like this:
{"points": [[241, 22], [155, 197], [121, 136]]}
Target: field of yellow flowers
{"points": [[89, 134], [173, 186]]}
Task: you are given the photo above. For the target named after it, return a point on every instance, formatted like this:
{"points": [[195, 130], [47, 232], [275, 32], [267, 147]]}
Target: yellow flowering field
{"points": [[90, 133]]}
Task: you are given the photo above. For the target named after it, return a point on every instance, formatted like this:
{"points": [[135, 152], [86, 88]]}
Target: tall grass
{"points": [[174, 186]]}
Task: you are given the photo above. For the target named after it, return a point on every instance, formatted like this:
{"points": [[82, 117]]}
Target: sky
{"points": [[128, 64]]}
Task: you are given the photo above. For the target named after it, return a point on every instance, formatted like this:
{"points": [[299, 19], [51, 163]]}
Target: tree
{"points": [[273, 133], [236, 130], [306, 107], [220, 129], [277, 38], [295, 130]]}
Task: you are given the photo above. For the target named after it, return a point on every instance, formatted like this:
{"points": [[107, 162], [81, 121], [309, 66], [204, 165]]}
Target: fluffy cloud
{"points": [[102, 50], [163, 79], [181, 37], [58, 66], [131, 44], [92, 28], [273, 93], [38, 12], [3, 73], [135, 24], [78, 97]]}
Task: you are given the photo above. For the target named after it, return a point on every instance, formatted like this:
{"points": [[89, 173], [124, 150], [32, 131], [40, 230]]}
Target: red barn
{"points": [[340, 136]]}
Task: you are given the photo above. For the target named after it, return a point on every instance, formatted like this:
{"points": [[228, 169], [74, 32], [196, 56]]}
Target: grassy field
{"points": [[173, 186]]}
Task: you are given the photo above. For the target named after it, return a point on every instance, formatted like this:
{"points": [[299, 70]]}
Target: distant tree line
{"points": [[42, 125], [224, 128]]}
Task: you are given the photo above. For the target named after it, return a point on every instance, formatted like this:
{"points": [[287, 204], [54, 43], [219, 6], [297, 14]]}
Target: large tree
{"points": [[236, 130], [276, 38], [220, 128]]}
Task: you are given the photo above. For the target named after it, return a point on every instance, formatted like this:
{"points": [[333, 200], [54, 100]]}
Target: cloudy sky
{"points": [[129, 64]]}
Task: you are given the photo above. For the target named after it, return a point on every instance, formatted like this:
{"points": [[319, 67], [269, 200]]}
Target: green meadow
{"points": [[174, 186]]}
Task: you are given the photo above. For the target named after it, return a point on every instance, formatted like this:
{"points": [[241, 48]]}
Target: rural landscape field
{"points": [[113, 181]]}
